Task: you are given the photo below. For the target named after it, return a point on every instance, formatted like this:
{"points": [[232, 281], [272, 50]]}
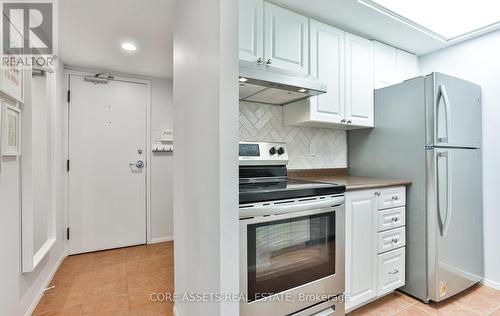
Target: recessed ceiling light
{"points": [[129, 47], [243, 79], [444, 19]]}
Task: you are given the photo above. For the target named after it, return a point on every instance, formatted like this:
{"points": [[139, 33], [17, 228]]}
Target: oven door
{"points": [[290, 262]]}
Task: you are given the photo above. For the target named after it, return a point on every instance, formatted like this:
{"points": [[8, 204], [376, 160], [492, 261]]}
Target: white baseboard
{"points": [[491, 284], [45, 284], [161, 239], [176, 311]]}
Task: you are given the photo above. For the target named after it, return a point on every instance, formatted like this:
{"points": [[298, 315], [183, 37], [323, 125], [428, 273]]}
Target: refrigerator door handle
{"points": [[444, 221], [447, 107]]}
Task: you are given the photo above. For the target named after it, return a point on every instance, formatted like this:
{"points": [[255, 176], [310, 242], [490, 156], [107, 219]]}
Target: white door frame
{"points": [[118, 77]]}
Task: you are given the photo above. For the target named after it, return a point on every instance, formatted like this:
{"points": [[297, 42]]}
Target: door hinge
{"points": [[67, 165], [67, 233], [69, 96]]}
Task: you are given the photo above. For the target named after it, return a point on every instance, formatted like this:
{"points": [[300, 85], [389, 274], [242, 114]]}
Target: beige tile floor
{"points": [[120, 282], [115, 282], [479, 300]]}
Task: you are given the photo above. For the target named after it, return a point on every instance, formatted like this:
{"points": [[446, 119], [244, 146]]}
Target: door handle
{"points": [[139, 164], [444, 222], [447, 108]]}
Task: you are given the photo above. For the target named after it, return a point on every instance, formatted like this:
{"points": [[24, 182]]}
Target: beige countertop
{"points": [[339, 176]]}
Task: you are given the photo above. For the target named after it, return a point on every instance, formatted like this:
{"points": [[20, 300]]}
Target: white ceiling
{"points": [[92, 31]]}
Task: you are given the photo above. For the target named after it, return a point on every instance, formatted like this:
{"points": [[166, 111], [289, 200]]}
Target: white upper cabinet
{"points": [[359, 80], [385, 65], [344, 63], [392, 65], [327, 65], [286, 37], [251, 30], [277, 39], [407, 65]]}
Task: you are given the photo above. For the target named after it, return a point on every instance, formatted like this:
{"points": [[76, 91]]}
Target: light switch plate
{"points": [[167, 135]]}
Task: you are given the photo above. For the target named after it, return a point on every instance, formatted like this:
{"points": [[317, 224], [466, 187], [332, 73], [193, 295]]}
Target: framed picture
{"points": [[11, 130]]}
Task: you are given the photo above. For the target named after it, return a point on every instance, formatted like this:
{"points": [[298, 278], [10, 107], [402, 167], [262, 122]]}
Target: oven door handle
{"points": [[292, 208]]}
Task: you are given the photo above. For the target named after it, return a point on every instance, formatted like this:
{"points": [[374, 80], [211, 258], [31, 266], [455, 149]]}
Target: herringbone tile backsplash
{"points": [[264, 123]]}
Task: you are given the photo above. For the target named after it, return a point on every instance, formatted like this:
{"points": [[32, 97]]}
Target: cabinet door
{"points": [[251, 30], [361, 247], [391, 271], [286, 39], [407, 65], [327, 65], [385, 65], [359, 80]]}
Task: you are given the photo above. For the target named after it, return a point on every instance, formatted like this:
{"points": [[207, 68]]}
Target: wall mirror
{"points": [[38, 215]]}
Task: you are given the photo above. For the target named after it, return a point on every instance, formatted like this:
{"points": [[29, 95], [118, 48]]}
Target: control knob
{"points": [[281, 151], [272, 151]]}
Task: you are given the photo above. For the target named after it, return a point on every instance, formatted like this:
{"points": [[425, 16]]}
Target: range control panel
{"points": [[263, 154]]}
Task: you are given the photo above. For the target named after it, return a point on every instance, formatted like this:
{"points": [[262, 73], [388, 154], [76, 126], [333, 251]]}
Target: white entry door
{"points": [[107, 164]]}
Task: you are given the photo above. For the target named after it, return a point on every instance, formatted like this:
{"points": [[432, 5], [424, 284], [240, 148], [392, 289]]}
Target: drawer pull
{"points": [[395, 240], [395, 219], [377, 193], [394, 272], [395, 198]]}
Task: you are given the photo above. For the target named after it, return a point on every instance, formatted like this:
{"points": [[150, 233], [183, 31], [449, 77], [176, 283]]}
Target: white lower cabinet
{"points": [[391, 271], [375, 245], [391, 239], [361, 252]]}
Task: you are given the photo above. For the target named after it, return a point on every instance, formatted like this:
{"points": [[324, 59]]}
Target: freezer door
{"points": [[453, 112], [454, 215]]}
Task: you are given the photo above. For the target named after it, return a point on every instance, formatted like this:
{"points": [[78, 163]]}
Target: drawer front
{"points": [[391, 271], [391, 197], [391, 218], [391, 239]]}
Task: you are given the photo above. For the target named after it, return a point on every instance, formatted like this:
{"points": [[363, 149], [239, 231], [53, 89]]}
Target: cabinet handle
{"points": [[395, 198], [395, 240], [342, 121], [394, 272], [269, 61], [349, 122], [260, 61], [395, 219], [377, 193]]}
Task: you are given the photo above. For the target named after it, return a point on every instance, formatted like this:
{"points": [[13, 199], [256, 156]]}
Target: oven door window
{"points": [[288, 253]]}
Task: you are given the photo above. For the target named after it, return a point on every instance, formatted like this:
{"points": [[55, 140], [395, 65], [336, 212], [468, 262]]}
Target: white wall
{"points": [[18, 292], [206, 153], [478, 60], [162, 208]]}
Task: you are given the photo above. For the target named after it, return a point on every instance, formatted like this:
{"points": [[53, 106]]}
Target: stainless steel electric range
{"points": [[291, 238]]}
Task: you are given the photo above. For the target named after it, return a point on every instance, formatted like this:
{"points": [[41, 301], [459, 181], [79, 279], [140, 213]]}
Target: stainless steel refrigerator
{"points": [[428, 130]]}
